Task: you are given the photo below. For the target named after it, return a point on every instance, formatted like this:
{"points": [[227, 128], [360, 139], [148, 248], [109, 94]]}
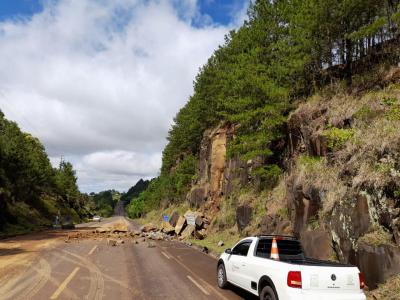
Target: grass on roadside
{"points": [[230, 237]]}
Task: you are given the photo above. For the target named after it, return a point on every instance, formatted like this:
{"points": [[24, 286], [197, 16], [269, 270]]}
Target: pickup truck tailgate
{"points": [[345, 279]]}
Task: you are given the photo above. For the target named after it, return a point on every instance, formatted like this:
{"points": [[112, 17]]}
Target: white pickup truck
{"points": [[291, 277]]}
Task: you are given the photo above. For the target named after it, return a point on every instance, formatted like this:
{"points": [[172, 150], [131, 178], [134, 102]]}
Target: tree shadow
{"points": [[10, 252]]}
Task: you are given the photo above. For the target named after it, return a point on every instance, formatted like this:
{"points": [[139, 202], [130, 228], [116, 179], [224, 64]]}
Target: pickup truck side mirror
{"points": [[228, 251]]}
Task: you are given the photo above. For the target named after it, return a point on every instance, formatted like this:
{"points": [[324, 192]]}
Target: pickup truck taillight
{"points": [[294, 279], [362, 282]]}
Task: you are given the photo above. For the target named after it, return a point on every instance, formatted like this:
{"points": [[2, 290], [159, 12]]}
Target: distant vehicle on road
{"points": [[274, 267], [96, 219]]}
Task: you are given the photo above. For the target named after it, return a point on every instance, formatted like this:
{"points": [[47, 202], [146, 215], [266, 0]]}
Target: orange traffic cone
{"points": [[274, 250]]}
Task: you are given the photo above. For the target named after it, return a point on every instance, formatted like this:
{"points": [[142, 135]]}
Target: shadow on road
{"points": [[242, 293], [13, 251]]}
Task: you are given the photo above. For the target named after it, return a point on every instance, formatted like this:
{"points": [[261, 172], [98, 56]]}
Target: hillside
{"points": [[293, 128], [32, 192]]}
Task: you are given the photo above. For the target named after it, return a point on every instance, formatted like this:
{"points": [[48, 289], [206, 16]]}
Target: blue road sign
{"points": [[166, 218]]}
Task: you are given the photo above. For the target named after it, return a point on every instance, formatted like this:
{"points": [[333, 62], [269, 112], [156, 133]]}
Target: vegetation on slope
{"points": [[32, 192], [103, 203], [134, 191], [284, 52]]}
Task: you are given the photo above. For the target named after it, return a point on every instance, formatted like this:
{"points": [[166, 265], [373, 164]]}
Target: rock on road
{"points": [[43, 266]]}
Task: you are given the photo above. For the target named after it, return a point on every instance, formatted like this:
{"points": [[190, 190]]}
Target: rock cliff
{"points": [[340, 192]]}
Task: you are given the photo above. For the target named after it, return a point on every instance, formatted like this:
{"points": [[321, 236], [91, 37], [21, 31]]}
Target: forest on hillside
{"points": [[32, 192], [283, 53]]}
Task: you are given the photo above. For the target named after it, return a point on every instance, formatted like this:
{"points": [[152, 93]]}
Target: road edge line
{"points": [[198, 285]]}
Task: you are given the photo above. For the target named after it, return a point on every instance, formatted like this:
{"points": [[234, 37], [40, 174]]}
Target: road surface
{"points": [[42, 266]]}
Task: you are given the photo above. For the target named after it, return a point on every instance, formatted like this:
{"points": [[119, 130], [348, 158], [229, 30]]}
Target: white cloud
{"points": [[100, 81]]}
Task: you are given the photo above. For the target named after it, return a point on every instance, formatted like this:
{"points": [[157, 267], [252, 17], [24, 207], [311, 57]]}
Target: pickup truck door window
{"points": [[237, 262]]}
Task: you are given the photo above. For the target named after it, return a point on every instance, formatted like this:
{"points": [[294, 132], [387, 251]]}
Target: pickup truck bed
{"points": [[293, 276]]}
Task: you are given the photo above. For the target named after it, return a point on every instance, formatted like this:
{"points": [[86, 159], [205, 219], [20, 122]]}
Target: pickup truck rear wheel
{"points": [[268, 293], [221, 276]]}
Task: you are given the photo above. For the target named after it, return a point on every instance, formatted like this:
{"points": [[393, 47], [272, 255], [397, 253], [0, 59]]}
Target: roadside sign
{"points": [[166, 218], [191, 219]]}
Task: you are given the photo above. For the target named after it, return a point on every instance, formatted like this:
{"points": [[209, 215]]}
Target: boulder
{"points": [[377, 262], [112, 242], [180, 225], [317, 244], [199, 221], [103, 230], [200, 234], [120, 227], [197, 196], [148, 228], [188, 232], [167, 228], [269, 224], [174, 219], [151, 245], [243, 216], [220, 243], [135, 233]]}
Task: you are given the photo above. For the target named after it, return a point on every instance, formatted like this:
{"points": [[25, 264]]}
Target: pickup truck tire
{"points": [[267, 293], [221, 276]]}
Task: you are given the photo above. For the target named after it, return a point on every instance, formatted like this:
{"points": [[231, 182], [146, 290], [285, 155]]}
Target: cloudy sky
{"points": [[100, 81]]}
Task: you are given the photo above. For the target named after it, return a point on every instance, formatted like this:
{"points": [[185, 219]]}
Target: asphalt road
{"points": [[92, 269]]}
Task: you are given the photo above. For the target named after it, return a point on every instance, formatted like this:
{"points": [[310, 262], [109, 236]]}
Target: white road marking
{"points": [[91, 251], [198, 285], [165, 254], [204, 282], [64, 284]]}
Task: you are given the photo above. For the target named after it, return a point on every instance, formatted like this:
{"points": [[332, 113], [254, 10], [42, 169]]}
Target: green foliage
{"points": [[31, 191], [104, 202], [134, 191], [337, 137], [394, 113], [137, 207], [389, 101], [165, 189], [269, 174], [283, 212], [279, 56], [365, 113], [309, 161]]}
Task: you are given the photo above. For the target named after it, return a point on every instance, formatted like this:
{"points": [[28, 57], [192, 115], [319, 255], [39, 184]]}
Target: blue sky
{"points": [[13, 8], [222, 12]]}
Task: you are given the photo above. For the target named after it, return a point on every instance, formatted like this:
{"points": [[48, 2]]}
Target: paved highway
{"points": [[43, 266]]}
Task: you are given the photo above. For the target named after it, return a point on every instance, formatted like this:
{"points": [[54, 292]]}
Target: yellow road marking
{"points": [[198, 285], [91, 251], [165, 254], [64, 284]]}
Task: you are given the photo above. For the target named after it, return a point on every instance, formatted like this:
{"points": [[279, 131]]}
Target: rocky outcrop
{"points": [[243, 216], [212, 165]]}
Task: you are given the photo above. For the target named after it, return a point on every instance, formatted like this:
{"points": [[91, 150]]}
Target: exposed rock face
{"points": [[303, 203], [380, 262], [364, 202], [218, 174], [317, 244], [243, 216], [275, 224]]}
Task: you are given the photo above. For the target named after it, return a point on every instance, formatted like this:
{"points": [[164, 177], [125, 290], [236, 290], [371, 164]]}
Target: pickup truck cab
{"points": [[249, 265]]}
